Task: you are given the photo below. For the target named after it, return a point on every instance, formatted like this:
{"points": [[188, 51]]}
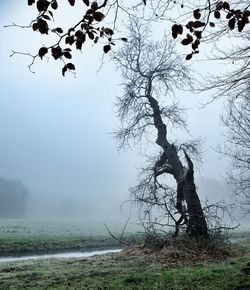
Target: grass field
{"points": [[52, 227], [131, 269], [125, 271], [43, 236]]}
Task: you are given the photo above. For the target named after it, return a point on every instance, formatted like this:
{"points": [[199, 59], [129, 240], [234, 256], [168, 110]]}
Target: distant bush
{"points": [[13, 198]]}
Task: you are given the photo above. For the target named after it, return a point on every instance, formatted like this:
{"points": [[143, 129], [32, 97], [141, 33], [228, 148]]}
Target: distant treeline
{"points": [[13, 198]]}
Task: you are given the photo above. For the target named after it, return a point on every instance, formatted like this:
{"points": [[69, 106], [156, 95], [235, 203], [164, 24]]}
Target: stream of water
{"points": [[60, 255]]}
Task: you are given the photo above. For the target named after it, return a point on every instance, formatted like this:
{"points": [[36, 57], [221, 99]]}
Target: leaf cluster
{"points": [[202, 19], [87, 29]]}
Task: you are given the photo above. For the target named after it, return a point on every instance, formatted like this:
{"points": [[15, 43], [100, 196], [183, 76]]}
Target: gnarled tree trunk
{"points": [[196, 222], [186, 190]]}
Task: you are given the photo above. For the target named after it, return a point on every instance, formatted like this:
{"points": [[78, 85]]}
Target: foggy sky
{"points": [[55, 131]]}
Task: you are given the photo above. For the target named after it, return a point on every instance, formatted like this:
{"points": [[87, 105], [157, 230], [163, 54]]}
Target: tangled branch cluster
{"points": [[202, 19]]}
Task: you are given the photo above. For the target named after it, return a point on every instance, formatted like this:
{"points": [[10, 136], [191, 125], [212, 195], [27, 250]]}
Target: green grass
{"points": [[52, 227], [114, 271], [44, 244], [43, 236], [117, 271], [20, 236]]}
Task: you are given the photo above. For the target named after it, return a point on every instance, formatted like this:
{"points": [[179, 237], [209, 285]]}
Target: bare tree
{"points": [[234, 87], [233, 83], [151, 72], [237, 148]]}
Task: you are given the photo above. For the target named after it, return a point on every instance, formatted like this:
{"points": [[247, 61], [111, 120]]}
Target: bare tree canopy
{"points": [[234, 87], [237, 148], [151, 72]]}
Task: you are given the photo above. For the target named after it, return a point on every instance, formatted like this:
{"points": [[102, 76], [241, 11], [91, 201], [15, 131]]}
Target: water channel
{"points": [[60, 255]]}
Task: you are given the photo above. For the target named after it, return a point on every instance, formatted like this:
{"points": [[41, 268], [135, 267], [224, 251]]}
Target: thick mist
{"points": [[55, 132]]}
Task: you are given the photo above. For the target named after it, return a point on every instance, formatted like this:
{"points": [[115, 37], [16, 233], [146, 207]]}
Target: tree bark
{"points": [[193, 215], [197, 225]]}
